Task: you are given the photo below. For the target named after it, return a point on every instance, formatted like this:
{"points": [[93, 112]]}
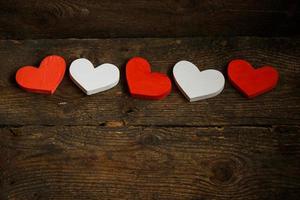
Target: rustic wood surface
{"points": [[111, 146], [143, 18], [89, 162]]}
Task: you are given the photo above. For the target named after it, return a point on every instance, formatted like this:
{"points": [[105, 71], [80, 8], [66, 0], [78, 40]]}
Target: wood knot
{"points": [[149, 139], [222, 172], [13, 132], [112, 124]]}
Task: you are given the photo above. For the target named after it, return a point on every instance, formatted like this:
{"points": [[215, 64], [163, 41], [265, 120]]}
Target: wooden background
{"points": [[112, 146], [32, 19]]}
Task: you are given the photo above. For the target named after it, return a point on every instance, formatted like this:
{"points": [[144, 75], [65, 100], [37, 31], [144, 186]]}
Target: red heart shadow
{"points": [[44, 79], [252, 82], [145, 84]]}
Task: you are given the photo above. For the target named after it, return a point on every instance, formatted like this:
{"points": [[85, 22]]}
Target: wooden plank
{"points": [[141, 18], [150, 163], [70, 106]]}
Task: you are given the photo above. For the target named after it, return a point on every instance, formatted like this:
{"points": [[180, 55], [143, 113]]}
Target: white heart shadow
{"points": [[195, 84], [93, 80]]}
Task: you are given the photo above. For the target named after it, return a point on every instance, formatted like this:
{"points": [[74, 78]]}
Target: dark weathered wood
{"points": [[70, 106], [112, 146], [142, 18], [149, 163]]}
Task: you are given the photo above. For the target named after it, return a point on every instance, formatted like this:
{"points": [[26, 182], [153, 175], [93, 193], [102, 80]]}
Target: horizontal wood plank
{"points": [[34, 19], [62, 162], [70, 106]]}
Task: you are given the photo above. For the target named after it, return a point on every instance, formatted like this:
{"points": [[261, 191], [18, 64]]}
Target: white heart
{"points": [[196, 85], [93, 80]]}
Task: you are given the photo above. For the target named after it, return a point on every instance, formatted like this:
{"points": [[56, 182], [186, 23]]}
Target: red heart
{"points": [[252, 82], [44, 79], [145, 84]]}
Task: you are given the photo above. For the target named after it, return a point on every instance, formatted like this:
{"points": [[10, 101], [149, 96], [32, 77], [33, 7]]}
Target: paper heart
{"points": [[44, 79], [145, 84], [93, 80], [195, 84], [252, 82]]}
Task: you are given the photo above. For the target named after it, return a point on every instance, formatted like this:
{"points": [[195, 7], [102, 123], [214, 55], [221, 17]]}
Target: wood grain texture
{"points": [[54, 19], [88, 162], [69, 106], [112, 146]]}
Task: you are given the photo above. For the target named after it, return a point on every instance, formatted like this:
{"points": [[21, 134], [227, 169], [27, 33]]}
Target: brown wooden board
{"points": [[33, 19], [112, 146], [70, 106], [88, 162]]}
